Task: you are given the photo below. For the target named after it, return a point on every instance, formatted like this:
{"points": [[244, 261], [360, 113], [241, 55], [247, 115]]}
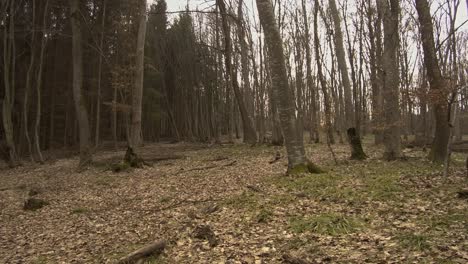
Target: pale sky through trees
{"points": [[175, 5]]}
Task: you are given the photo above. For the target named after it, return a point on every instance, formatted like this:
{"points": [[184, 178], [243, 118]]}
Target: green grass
{"points": [[264, 215], [326, 224], [246, 200], [413, 241]]}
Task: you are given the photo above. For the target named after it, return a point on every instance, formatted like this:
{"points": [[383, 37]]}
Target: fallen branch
{"points": [[153, 249]]}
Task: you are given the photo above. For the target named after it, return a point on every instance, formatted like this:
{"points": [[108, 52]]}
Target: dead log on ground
{"points": [[153, 249]]}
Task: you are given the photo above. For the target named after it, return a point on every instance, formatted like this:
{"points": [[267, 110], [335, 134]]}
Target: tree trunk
{"points": [[29, 80], [250, 136], [343, 68], [297, 161], [37, 144], [9, 58], [391, 82], [98, 97], [136, 139], [80, 104], [438, 92], [342, 65], [321, 77]]}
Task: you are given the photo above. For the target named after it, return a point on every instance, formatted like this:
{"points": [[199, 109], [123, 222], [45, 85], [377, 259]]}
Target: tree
{"points": [[438, 91], [250, 135], [136, 138], [9, 67], [321, 77], [342, 65], [391, 13], [297, 161], [80, 104]]}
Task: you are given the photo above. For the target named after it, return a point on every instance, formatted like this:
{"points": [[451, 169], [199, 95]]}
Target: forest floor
{"points": [[357, 212]]}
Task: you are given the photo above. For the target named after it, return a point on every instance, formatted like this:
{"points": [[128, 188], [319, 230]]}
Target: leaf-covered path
{"points": [[357, 212]]}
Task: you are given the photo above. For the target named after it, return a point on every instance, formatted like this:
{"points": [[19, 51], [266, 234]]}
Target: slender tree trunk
{"points": [[391, 90], [136, 139], [80, 104], [250, 136], [29, 80], [98, 97], [342, 65], [438, 92], [297, 161], [356, 147], [310, 79], [9, 67], [37, 144], [321, 77]]}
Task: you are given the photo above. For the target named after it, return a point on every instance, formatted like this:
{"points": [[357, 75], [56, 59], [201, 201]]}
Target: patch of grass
{"points": [[79, 210], [246, 200], [320, 186], [444, 222], [413, 241], [325, 224], [383, 187], [264, 215]]}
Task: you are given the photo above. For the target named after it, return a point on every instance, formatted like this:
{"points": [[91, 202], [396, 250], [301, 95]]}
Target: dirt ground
{"points": [[357, 212]]}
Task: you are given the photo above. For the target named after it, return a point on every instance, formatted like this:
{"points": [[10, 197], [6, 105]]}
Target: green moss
{"points": [[326, 224], [309, 167]]}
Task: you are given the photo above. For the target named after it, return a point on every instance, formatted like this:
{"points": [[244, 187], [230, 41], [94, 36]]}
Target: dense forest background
{"points": [[75, 69]]}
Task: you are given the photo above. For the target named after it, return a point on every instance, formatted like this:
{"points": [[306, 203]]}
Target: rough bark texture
{"points": [[250, 135], [391, 82], [438, 92], [297, 161], [136, 138], [80, 105]]}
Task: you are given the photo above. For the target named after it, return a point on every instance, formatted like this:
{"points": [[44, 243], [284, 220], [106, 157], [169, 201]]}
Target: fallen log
{"points": [[153, 249]]}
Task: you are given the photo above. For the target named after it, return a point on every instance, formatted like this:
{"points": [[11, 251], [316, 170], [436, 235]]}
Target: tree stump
{"points": [[357, 152]]}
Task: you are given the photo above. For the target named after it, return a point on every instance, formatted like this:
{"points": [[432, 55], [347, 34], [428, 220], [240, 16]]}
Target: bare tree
{"points": [[297, 161], [438, 90], [391, 13], [136, 138], [80, 104], [321, 76], [250, 136]]}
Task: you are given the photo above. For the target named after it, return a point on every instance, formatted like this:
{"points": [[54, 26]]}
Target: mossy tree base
{"points": [[131, 160], [357, 152], [308, 167]]}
